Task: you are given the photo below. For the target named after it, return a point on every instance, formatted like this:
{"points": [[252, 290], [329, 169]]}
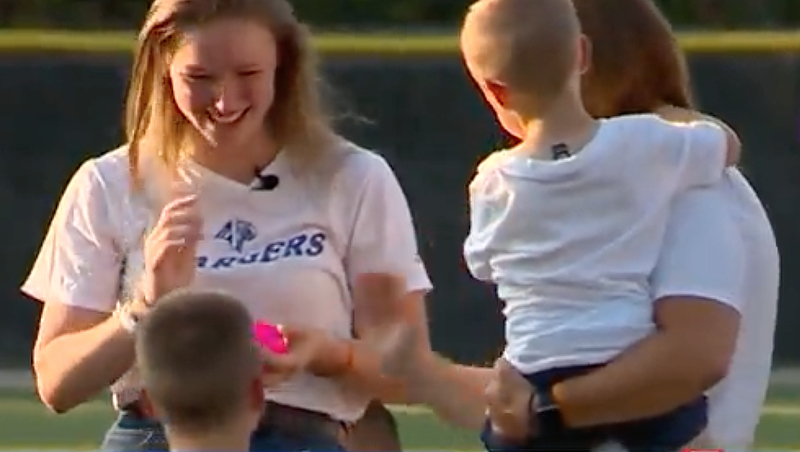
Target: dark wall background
{"points": [[127, 14], [424, 116]]}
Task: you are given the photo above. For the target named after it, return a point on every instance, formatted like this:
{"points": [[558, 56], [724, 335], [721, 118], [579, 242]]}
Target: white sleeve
{"points": [[483, 216], [383, 237], [78, 263], [700, 155], [703, 250]]}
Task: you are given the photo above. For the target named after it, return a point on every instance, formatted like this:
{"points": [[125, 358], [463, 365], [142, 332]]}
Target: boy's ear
{"points": [[497, 93], [584, 54], [146, 405]]}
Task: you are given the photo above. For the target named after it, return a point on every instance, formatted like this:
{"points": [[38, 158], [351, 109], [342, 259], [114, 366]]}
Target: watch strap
{"points": [[546, 413]]}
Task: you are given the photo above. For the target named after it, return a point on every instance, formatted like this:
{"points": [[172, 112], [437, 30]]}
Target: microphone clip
{"points": [[265, 182]]}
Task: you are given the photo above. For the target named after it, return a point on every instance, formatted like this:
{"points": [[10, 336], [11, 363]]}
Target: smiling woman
{"points": [[232, 179], [226, 81]]}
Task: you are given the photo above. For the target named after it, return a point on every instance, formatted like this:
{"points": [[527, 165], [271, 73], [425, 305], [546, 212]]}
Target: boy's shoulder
{"points": [[493, 161], [487, 168], [637, 121], [649, 123], [632, 131]]}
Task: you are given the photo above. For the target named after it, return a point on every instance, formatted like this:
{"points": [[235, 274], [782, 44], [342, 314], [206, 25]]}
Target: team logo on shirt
{"points": [[237, 233], [240, 236]]}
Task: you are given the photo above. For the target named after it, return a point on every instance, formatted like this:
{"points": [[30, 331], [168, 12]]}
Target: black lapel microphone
{"points": [[265, 182], [560, 151]]}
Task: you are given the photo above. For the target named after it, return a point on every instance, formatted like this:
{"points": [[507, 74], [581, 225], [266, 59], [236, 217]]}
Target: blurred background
{"points": [[63, 70], [370, 14]]}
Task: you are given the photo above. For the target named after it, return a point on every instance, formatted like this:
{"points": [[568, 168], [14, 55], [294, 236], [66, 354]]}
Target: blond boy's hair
{"points": [[530, 46]]}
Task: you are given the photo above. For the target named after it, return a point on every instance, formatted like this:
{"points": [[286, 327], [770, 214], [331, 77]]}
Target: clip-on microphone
{"points": [[265, 182]]}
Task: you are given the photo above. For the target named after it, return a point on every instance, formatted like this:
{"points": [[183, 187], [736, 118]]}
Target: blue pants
{"points": [[664, 433], [131, 433]]}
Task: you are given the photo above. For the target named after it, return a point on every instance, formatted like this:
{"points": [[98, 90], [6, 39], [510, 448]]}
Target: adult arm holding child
{"points": [[697, 320], [684, 116], [697, 324]]}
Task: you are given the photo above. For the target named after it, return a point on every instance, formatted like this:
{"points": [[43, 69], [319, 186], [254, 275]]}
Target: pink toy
{"points": [[270, 336]]}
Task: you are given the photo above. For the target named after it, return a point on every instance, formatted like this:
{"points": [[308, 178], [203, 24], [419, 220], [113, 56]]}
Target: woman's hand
{"points": [[508, 398], [309, 350], [170, 249], [678, 114]]}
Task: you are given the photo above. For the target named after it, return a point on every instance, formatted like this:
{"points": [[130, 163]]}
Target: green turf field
{"points": [[14, 40], [24, 424]]}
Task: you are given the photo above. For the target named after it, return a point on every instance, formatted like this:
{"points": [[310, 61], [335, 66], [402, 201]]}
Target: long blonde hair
{"points": [[297, 119]]}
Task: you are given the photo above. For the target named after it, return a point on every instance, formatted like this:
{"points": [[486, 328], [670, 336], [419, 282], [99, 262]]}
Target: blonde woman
{"points": [[233, 180]]}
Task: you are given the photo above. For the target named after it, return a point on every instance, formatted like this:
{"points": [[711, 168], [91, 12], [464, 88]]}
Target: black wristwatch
{"points": [[545, 415]]}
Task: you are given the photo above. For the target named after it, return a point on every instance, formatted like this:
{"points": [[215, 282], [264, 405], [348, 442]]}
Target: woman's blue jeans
{"points": [[131, 433]]}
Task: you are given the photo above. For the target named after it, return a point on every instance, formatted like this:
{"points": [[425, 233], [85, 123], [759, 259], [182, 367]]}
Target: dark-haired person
{"points": [[201, 371], [701, 300]]}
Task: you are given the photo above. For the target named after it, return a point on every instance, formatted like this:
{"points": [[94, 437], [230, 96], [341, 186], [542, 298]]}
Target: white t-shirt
{"points": [[571, 243], [290, 254], [720, 245]]}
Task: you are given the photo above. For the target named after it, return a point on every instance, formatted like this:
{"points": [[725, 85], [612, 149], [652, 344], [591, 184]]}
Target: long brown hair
{"points": [[297, 119], [637, 64]]}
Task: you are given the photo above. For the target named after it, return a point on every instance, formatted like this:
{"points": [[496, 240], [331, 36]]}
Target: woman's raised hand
{"points": [[170, 250]]}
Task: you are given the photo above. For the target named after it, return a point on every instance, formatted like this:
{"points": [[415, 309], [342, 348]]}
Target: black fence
{"points": [[424, 116]]}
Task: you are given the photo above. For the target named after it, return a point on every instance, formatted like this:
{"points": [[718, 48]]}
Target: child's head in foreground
{"points": [[524, 55], [199, 364]]}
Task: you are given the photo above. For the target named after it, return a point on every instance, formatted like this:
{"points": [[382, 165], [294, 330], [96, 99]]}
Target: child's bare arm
{"points": [[677, 114]]}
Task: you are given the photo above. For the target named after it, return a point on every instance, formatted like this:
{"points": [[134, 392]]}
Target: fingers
{"points": [[178, 225], [506, 373], [182, 212], [291, 333], [503, 367], [507, 396], [499, 411], [301, 342], [186, 234], [510, 383], [278, 363]]}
